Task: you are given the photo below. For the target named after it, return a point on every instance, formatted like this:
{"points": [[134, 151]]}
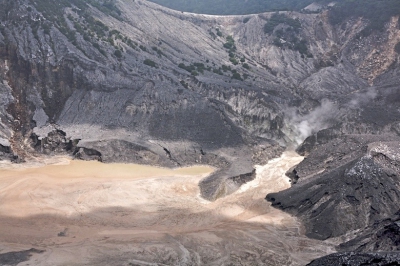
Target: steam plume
{"points": [[304, 125]]}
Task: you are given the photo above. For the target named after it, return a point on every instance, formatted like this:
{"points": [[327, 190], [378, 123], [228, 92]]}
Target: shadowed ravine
{"points": [[87, 213]]}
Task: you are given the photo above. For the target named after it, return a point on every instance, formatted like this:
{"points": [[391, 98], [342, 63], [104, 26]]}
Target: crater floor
{"points": [[88, 213]]}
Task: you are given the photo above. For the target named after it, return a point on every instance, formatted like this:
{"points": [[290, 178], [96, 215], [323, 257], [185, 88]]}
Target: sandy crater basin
{"points": [[89, 213]]}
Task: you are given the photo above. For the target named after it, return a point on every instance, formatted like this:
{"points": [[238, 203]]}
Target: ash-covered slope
{"points": [[131, 81], [347, 188]]}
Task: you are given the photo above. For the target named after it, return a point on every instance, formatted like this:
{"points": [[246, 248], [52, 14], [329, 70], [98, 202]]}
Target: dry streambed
{"points": [[88, 213]]}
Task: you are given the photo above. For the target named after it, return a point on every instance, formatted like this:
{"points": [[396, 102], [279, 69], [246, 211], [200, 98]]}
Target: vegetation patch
{"points": [[234, 7], [184, 84], [237, 76], [158, 51], [218, 71], [219, 33], [118, 53], [91, 29], [107, 7], [287, 35], [194, 68], [378, 13], [230, 44], [397, 48], [144, 49], [233, 60], [246, 66], [212, 34], [150, 63], [277, 19]]}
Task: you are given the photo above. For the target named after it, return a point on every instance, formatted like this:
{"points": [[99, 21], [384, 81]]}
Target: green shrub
{"points": [[236, 76], [228, 45], [150, 63], [97, 46], [277, 19], [219, 33], [230, 42], [184, 84], [212, 34], [118, 53], [218, 71], [197, 67], [187, 68], [397, 48], [233, 60], [226, 68]]}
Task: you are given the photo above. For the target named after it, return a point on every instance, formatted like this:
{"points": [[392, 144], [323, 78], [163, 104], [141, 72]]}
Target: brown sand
{"points": [[89, 213]]}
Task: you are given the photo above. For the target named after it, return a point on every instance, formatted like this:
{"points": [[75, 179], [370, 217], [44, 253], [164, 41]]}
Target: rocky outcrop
{"points": [[87, 154], [17, 257], [238, 170], [349, 178], [5, 152], [55, 142], [358, 259], [383, 235], [347, 198], [347, 186]]}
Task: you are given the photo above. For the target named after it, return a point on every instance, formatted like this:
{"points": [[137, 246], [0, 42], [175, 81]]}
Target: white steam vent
{"points": [[302, 126]]}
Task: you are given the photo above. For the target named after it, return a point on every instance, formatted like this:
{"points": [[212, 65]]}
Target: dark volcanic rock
{"points": [[345, 197], [224, 182], [383, 235], [87, 154], [358, 259], [15, 258], [55, 142], [6, 153], [5, 149], [238, 171]]}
